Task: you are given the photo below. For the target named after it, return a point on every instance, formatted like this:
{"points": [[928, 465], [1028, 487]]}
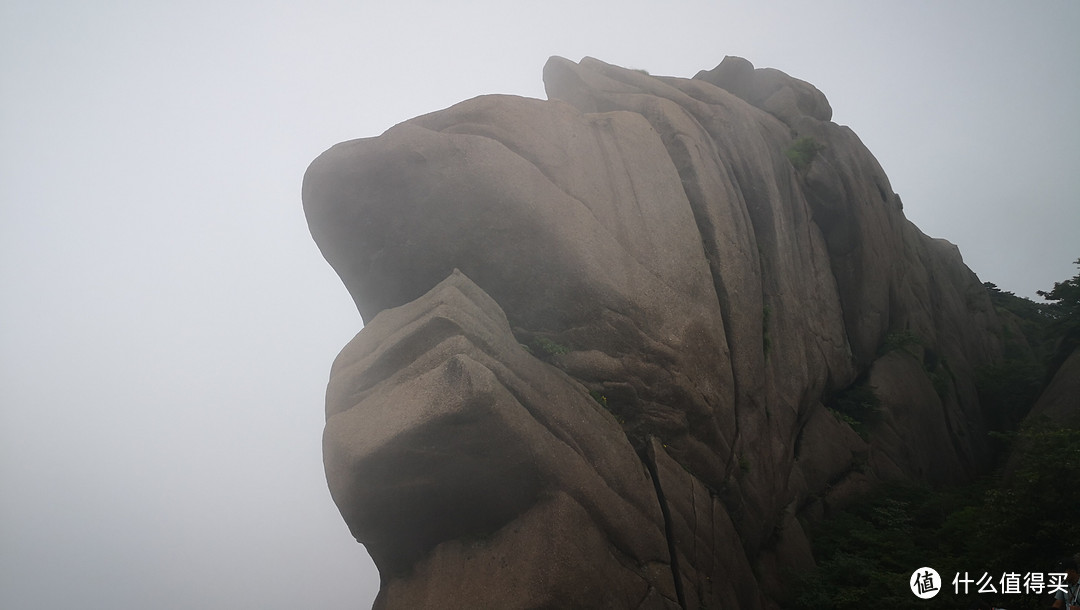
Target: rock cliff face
{"points": [[613, 341], [1060, 401]]}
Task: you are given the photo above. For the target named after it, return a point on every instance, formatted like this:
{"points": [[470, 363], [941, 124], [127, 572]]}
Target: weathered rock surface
{"points": [[1060, 401], [448, 447], [648, 241]]}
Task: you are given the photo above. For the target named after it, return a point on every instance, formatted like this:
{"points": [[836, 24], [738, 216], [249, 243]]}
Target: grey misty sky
{"points": [[167, 325]]}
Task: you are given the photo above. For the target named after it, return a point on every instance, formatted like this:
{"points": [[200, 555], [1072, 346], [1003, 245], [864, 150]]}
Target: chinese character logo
{"points": [[925, 583]]}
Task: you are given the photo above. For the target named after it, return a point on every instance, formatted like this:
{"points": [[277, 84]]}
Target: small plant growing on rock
{"points": [[603, 402], [551, 348], [941, 378], [900, 340], [857, 406], [802, 152], [744, 464]]}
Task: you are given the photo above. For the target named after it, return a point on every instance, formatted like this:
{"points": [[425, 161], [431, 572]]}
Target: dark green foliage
{"points": [[1021, 306], [1032, 515], [1065, 314], [549, 347], [1020, 522], [858, 406], [802, 152], [1033, 319], [937, 369], [847, 419], [903, 339], [1066, 298], [1008, 390], [1050, 332], [744, 464], [866, 553], [941, 380]]}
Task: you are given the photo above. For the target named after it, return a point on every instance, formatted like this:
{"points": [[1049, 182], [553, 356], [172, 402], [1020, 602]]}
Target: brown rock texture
{"points": [[605, 332]]}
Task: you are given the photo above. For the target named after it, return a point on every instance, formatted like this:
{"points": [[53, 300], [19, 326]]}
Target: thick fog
{"points": [[167, 324]]}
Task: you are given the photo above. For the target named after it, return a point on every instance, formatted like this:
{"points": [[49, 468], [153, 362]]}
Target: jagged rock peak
{"points": [[610, 336], [769, 89]]}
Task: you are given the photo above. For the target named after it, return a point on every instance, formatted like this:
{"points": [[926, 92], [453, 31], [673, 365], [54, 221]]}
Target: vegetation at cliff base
{"points": [[1021, 519]]}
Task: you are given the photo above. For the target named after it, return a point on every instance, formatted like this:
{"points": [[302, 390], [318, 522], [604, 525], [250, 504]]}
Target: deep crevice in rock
{"points": [[669, 531]]}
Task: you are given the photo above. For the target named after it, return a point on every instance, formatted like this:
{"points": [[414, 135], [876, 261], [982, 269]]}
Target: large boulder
{"points": [[451, 450], [606, 334]]}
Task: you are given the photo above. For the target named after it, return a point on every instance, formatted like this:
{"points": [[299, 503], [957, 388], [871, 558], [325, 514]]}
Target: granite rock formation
{"points": [[1060, 401], [609, 336]]}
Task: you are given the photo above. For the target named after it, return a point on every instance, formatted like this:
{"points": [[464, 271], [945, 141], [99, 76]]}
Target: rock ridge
{"points": [[610, 338]]}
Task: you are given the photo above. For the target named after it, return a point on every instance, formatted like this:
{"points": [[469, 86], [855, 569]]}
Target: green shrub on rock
{"points": [[802, 152]]}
